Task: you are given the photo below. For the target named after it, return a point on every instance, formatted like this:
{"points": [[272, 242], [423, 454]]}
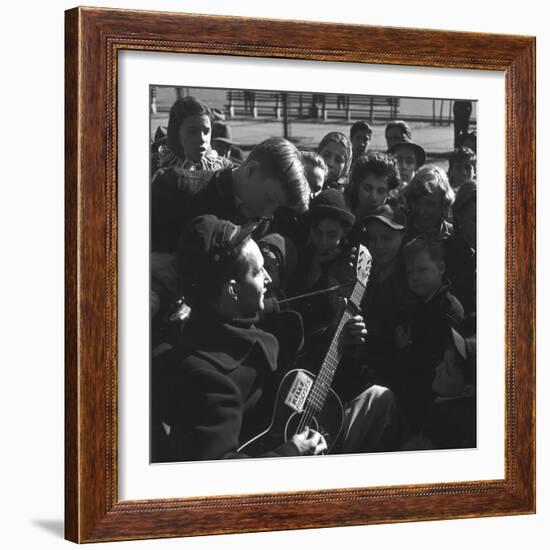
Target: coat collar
{"points": [[227, 344]]}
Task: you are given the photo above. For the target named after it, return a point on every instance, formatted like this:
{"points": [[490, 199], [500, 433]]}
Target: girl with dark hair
{"points": [[373, 179], [188, 139]]}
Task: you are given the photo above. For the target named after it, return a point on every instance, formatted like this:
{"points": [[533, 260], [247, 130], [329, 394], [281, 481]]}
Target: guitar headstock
{"points": [[364, 263]]}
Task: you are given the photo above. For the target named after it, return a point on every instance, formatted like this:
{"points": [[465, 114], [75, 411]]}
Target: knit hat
{"points": [[419, 151], [330, 203], [206, 246]]}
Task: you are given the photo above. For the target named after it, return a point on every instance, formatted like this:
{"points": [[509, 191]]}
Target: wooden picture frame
{"points": [[93, 511]]}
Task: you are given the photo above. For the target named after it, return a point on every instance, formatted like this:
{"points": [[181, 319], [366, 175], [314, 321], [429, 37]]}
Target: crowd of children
{"points": [[311, 210]]}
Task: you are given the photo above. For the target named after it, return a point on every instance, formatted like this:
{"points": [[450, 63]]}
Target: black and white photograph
{"points": [[312, 273]]}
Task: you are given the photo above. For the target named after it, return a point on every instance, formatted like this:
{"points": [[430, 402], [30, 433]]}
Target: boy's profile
{"points": [[360, 135], [462, 167]]}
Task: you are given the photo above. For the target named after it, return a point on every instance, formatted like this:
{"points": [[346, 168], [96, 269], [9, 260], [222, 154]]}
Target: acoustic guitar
{"points": [[304, 399]]}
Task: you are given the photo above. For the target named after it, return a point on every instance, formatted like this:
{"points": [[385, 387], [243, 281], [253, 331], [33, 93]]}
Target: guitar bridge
{"points": [[299, 391]]}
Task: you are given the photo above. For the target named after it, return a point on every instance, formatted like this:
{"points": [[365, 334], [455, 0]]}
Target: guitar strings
{"points": [[323, 381]]}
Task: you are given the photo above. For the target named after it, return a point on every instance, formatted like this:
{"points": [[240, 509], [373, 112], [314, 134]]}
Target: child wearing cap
{"points": [[451, 420], [409, 156], [429, 198], [397, 131], [223, 144], [421, 337], [385, 298], [335, 149], [324, 261], [462, 167]]}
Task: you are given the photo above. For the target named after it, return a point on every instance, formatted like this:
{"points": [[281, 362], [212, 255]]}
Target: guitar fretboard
{"points": [[323, 382]]}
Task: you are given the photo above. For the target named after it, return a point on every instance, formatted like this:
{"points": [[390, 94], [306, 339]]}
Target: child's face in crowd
{"points": [[221, 147], [427, 211], [194, 136], [253, 286], [264, 194], [448, 377], [272, 267], [383, 242], [424, 274], [406, 161], [326, 236], [334, 155], [393, 136], [468, 222], [461, 173], [316, 178], [372, 193], [360, 142]]}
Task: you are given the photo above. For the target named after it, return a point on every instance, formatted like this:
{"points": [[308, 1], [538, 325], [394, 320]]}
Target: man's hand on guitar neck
{"points": [[356, 330], [309, 442]]}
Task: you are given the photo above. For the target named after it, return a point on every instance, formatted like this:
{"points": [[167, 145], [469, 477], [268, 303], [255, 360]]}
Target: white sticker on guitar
{"points": [[299, 391]]}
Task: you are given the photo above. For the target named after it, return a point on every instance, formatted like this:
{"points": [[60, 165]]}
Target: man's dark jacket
{"points": [[207, 394]]}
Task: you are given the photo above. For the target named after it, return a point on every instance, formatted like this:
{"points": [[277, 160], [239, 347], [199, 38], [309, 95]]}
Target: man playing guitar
{"points": [[208, 391]]}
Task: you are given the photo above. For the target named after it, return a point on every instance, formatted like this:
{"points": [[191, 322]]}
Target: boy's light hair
{"points": [[313, 160], [427, 180], [402, 125], [279, 159]]}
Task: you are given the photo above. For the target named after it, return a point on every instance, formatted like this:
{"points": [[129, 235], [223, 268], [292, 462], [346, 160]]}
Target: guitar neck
{"points": [[324, 379]]}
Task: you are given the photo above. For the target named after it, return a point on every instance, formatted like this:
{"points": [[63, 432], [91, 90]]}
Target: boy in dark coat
{"points": [[422, 337], [272, 176], [386, 296], [324, 261]]}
